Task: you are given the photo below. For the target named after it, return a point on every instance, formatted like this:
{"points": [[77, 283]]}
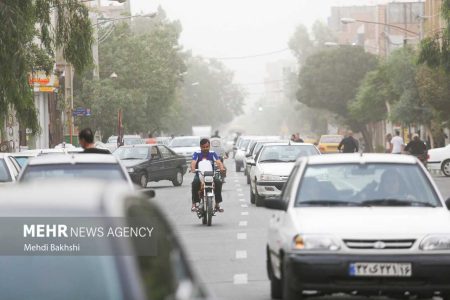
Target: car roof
{"points": [[79, 197], [83, 158], [287, 144], [344, 158], [3, 155], [187, 137], [138, 146]]}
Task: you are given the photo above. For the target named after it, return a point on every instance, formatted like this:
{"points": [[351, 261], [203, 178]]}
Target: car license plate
{"points": [[380, 269]]}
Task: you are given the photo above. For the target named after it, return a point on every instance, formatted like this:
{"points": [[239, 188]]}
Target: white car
{"points": [[9, 168], [95, 166], [364, 224], [272, 167], [439, 159], [128, 139], [241, 148], [185, 146]]}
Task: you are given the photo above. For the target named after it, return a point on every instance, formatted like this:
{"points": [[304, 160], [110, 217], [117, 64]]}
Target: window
{"points": [[165, 152], [4, 172], [132, 152], [154, 152]]}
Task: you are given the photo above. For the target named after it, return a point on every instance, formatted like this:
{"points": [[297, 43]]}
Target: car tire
{"points": [[259, 201], [276, 286], [445, 168], [143, 180], [252, 196], [287, 292], [248, 178], [245, 171], [178, 180], [238, 168]]}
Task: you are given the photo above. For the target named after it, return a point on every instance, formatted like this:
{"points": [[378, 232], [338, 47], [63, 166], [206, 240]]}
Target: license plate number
{"points": [[380, 269]]}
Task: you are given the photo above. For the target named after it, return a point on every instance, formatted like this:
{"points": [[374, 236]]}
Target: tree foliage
{"points": [[22, 24]]}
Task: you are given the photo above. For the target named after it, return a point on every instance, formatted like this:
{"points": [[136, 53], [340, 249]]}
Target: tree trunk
{"points": [[367, 135]]}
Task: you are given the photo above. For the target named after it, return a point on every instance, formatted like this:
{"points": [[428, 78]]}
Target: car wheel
{"points": [[248, 179], [287, 292], [143, 180], [446, 167], [238, 168], [178, 178], [259, 201], [276, 287], [252, 196], [245, 171]]}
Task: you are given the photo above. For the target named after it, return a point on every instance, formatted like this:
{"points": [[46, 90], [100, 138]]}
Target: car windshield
{"points": [[192, 142], [331, 139], [101, 171], [286, 153], [131, 152], [365, 185], [4, 173], [244, 144], [66, 277]]}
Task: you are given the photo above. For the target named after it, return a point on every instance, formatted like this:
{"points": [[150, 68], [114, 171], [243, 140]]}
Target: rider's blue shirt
{"points": [[198, 156]]}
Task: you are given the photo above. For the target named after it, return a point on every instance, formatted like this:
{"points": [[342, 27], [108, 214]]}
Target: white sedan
{"points": [[369, 224], [439, 159], [9, 168], [272, 166]]}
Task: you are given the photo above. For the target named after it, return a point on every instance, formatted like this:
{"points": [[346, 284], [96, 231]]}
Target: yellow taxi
{"points": [[330, 143]]}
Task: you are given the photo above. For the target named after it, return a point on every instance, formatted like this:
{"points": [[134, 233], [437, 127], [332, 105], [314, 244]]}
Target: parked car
{"points": [[251, 154], [128, 139], [439, 159], [241, 147], [94, 166], [134, 276], [250, 146], [329, 143], [163, 140], [185, 146], [149, 162], [22, 158], [364, 224], [9, 169], [272, 167]]}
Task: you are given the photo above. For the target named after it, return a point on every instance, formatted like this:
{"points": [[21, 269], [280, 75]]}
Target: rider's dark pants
{"points": [[196, 188]]}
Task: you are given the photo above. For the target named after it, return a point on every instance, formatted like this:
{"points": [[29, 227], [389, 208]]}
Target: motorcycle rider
{"points": [[206, 154], [417, 147]]}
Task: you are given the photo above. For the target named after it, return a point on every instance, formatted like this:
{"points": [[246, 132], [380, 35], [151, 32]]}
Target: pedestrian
{"points": [[298, 139], [397, 143], [293, 137], [416, 146], [388, 144], [349, 143], [86, 141]]}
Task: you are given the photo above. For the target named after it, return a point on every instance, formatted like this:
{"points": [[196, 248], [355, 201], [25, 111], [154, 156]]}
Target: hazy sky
{"points": [[230, 28]]}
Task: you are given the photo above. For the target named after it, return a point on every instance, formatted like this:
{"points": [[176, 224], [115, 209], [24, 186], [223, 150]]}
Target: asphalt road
{"points": [[230, 255]]}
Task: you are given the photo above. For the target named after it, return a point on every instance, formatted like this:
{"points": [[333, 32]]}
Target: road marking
{"points": [[241, 254], [242, 236], [243, 223], [241, 195], [239, 190], [244, 205], [238, 185], [244, 213], [242, 200], [240, 279]]}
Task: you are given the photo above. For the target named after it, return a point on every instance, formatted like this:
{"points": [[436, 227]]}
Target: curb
{"points": [[436, 172]]}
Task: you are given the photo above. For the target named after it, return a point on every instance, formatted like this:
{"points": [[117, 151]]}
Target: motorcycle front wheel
{"points": [[209, 210]]}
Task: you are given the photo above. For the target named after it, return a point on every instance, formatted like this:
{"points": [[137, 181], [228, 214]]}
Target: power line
{"points": [[250, 56]]}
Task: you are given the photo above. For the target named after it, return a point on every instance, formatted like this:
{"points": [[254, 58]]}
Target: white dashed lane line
{"points": [[244, 213], [240, 195], [242, 200], [242, 236], [240, 279], [243, 223], [241, 254], [244, 205]]}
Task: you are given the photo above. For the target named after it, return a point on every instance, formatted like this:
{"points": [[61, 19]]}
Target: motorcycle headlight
{"points": [[130, 170], [315, 242], [435, 243], [269, 178], [209, 179]]}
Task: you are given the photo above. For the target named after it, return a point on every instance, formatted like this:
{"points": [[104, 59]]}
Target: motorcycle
{"points": [[206, 174]]}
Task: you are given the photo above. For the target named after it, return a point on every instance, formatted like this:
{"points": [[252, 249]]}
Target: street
{"points": [[230, 255]]}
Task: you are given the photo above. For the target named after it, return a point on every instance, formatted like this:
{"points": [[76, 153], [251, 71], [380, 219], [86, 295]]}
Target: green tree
{"points": [[330, 80], [20, 55], [148, 67]]}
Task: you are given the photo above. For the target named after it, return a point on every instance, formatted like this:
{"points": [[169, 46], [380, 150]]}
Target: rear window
{"points": [[4, 172], [59, 277], [103, 171], [187, 142], [286, 153]]}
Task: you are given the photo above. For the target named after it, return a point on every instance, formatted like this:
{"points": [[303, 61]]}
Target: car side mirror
{"points": [[150, 193], [274, 203], [447, 203], [248, 155], [251, 163]]}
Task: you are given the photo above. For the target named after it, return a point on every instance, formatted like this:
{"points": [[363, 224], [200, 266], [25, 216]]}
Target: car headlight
{"points": [[269, 178], [130, 170], [315, 242], [435, 243]]}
